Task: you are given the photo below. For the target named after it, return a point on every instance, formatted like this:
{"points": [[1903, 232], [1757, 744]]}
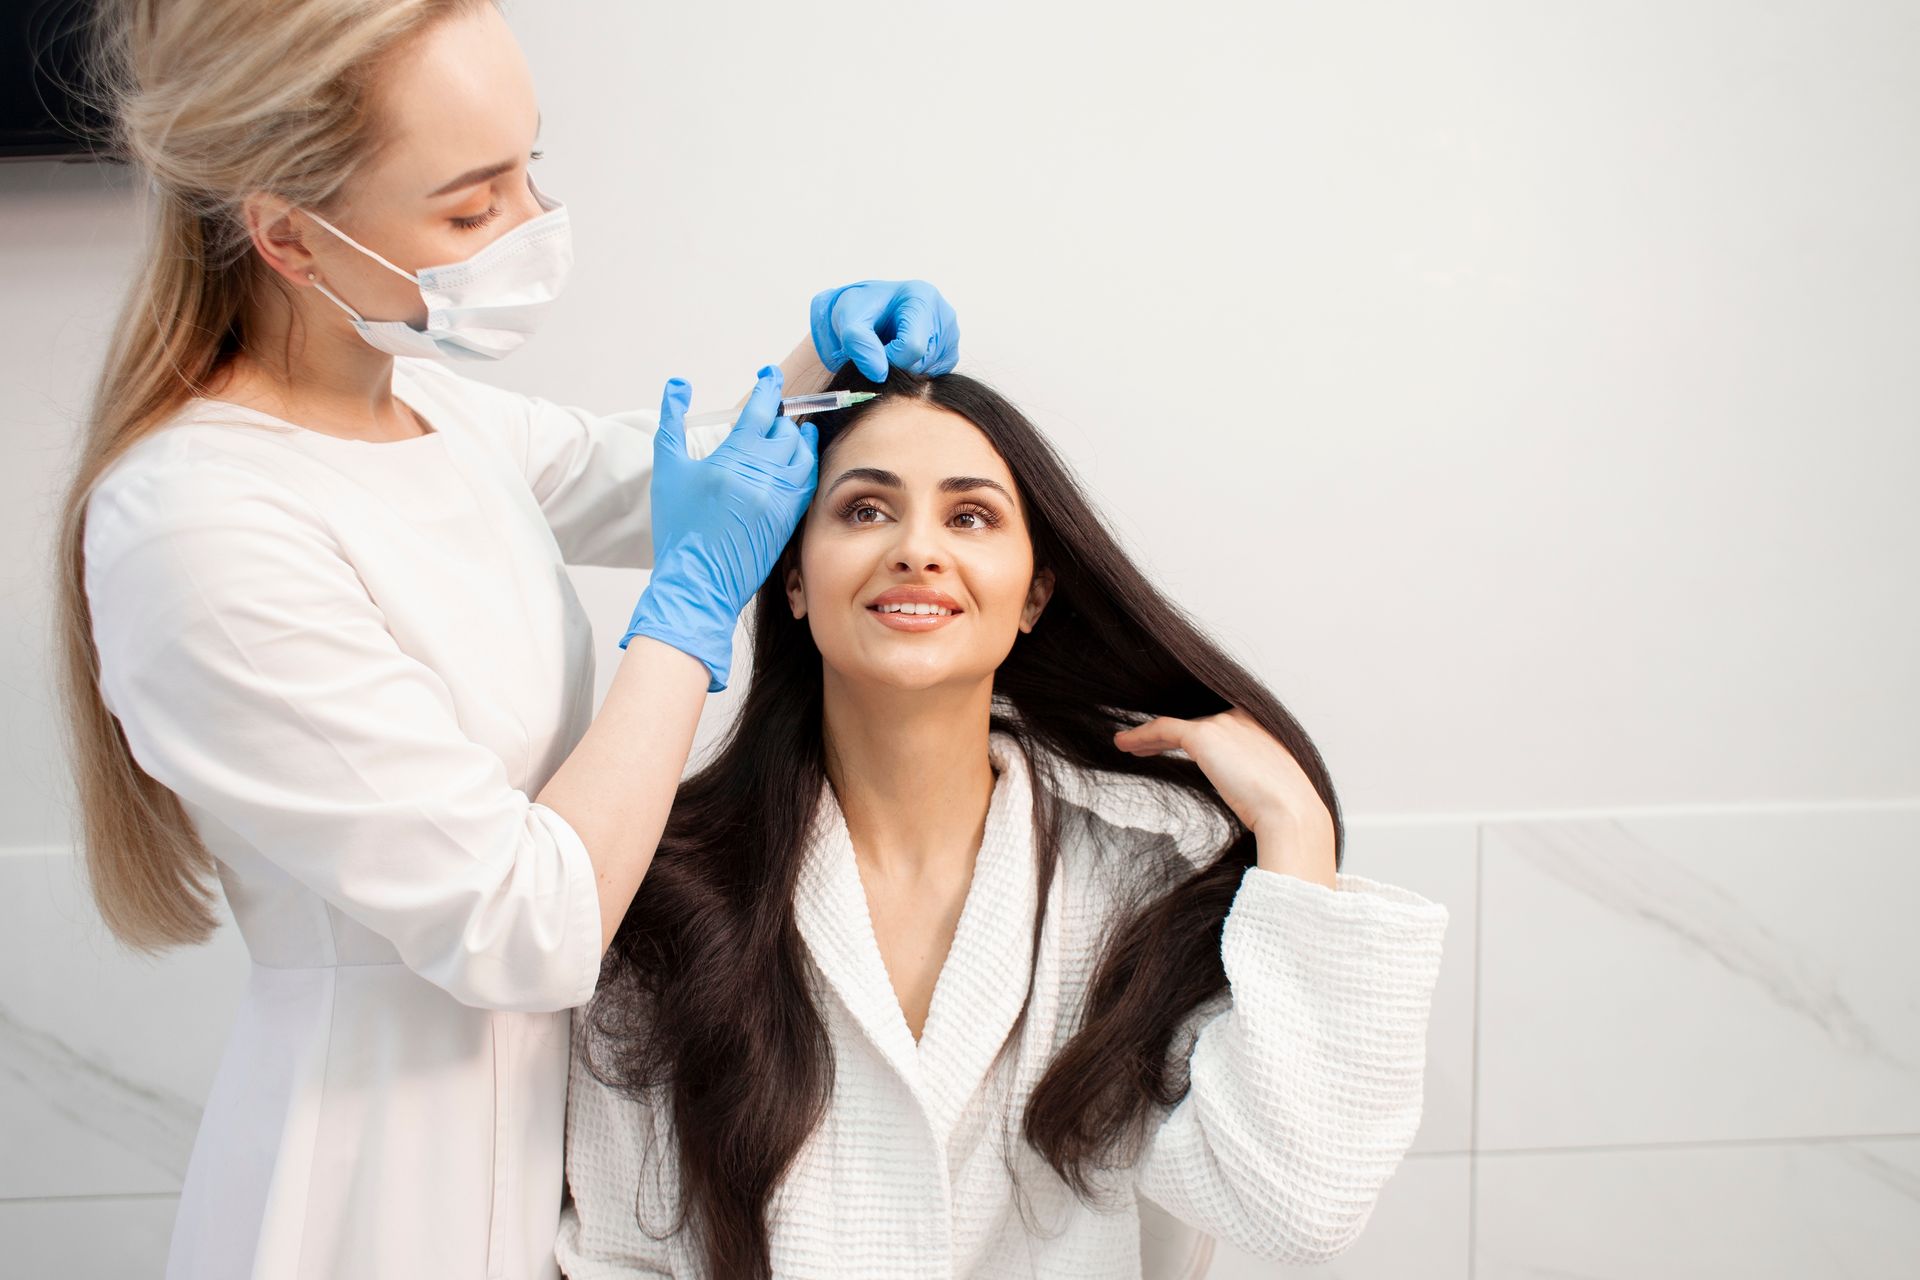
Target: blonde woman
{"points": [[319, 643]]}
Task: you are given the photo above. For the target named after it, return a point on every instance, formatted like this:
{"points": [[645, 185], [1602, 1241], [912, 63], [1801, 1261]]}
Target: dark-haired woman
{"points": [[943, 959]]}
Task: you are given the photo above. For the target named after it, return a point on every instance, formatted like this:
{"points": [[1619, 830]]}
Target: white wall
{"points": [[1527, 391]]}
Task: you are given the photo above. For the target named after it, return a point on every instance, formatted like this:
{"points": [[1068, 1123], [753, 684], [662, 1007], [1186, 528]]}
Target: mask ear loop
{"points": [[405, 275], [335, 298]]}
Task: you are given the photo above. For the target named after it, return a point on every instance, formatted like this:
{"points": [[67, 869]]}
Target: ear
{"points": [[1037, 596], [275, 227], [796, 592]]}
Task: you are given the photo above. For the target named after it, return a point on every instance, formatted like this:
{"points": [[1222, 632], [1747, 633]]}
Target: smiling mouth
{"points": [[914, 610], [911, 617]]}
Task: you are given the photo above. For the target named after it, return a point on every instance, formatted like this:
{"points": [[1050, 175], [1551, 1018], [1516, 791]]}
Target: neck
{"points": [[911, 771], [308, 365]]}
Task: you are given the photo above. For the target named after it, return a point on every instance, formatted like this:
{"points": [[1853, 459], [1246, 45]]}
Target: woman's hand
{"points": [[877, 323], [720, 522], [1260, 781]]}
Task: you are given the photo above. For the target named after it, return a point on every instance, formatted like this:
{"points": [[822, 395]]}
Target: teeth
{"points": [[915, 609]]}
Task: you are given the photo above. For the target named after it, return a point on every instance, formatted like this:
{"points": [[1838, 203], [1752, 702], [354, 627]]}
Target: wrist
{"points": [[803, 371], [675, 663], [716, 670], [1291, 846], [679, 610], [820, 326]]}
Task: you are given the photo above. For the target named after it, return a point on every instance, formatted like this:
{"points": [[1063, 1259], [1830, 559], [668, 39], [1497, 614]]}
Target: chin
{"points": [[906, 673]]}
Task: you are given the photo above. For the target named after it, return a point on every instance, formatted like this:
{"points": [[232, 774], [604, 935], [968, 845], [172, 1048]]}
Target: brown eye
{"points": [[987, 518]]}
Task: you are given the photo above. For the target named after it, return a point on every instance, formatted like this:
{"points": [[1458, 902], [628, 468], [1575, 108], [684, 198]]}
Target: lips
{"points": [[915, 595], [914, 608]]}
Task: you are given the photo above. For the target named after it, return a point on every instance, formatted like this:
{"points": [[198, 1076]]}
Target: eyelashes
{"points": [[852, 505], [480, 220]]}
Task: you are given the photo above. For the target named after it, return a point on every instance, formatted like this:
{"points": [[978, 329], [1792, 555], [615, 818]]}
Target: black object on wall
{"points": [[43, 112]]}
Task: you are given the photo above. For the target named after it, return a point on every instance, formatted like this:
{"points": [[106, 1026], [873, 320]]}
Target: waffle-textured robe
{"points": [[1305, 1076]]}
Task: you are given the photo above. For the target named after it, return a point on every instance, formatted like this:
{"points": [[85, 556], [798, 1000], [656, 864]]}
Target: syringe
{"points": [[791, 407]]}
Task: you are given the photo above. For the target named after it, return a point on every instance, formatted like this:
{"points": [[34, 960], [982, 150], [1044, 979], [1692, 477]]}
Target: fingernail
{"points": [[767, 372]]}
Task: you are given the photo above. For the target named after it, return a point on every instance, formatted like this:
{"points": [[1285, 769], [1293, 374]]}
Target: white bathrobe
{"points": [[1305, 1076], [355, 663]]}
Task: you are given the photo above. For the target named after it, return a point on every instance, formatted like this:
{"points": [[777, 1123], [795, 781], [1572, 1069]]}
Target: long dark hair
{"points": [[704, 997]]}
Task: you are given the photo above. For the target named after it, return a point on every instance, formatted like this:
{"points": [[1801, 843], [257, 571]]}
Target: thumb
{"points": [[672, 435], [864, 348], [806, 452]]}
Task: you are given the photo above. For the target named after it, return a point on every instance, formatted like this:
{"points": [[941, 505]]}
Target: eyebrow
{"points": [[887, 479], [486, 173]]}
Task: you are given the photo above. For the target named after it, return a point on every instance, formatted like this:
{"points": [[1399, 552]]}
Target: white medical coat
{"points": [[354, 663]]}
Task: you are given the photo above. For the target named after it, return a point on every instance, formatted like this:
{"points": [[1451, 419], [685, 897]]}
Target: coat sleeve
{"points": [[591, 473], [1305, 1088], [253, 676], [593, 477], [612, 1144]]}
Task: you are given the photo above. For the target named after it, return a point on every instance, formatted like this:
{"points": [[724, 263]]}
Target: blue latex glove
{"points": [[877, 323], [719, 522]]}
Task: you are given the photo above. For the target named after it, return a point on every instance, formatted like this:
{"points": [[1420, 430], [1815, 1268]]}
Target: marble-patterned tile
{"points": [[113, 1238], [1698, 977], [1418, 1232], [1836, 1210], [1437, 861], [106, 1055]]}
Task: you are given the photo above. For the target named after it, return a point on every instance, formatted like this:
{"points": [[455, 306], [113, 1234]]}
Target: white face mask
{"points": [[480, 309]]}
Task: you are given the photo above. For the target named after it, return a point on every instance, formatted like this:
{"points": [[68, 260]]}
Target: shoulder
{"points": [[622, 1173], [194, 474], [611, 1130], [499, 419], [433, 378], [594, 1057], [1158, 809], [1146, 821], [593, 1102], [468, 401]]}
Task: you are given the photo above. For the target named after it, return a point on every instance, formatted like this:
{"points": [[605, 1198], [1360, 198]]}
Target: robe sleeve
{"points": [[1305, 1088], [612, 1143], [252, 675]]}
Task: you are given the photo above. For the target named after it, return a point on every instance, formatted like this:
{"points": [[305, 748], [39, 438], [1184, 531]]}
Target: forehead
{"points": [[923, 443], [459, 97]]}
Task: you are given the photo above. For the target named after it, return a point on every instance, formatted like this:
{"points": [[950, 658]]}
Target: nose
{"points": [[918, 547], [524, 207]]}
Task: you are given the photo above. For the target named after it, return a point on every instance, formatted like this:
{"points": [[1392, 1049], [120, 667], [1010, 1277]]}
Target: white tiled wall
{"points": [[1675, 1045]]}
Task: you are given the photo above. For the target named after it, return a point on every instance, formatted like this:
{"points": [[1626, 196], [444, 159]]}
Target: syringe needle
{"points": [[790, 407]]}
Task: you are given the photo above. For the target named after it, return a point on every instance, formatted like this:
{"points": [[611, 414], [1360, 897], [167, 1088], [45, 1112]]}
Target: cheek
{"points": [[444, 245], [370, 288], [1000, 580], [830, 570]]}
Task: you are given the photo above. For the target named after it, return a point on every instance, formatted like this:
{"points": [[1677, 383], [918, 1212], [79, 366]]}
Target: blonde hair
{"points": [[213, 99]]}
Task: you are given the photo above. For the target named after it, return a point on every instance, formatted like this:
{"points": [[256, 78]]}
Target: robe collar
{"points": [[983, 983]]}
